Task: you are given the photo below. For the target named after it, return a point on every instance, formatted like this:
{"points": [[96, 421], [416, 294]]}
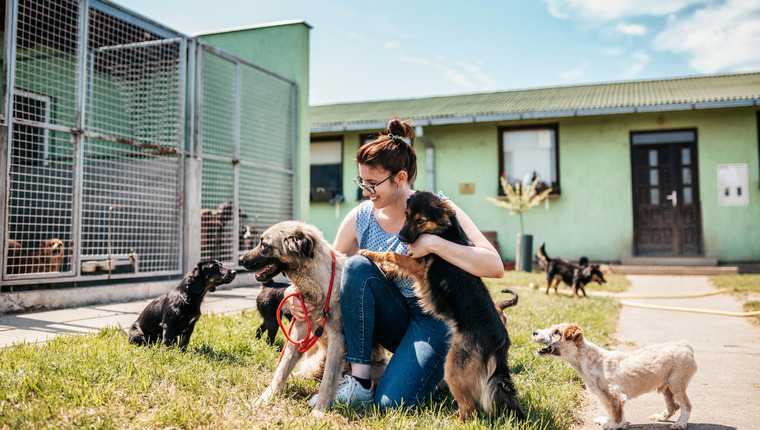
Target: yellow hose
{"points": [[685, 296], [703, 311], [670, 308]]}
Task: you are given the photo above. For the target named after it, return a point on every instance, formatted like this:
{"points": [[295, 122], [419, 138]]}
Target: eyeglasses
{"points": [[368, 187]]}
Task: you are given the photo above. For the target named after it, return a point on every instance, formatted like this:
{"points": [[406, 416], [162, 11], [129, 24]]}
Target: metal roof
{"points": [[700, 92]]}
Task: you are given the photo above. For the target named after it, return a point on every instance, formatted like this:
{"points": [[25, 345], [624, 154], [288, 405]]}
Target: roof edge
{"points": [[254, 26], [516, 116]]}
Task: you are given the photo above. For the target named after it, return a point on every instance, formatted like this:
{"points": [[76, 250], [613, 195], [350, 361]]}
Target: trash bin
{"points": [[524, 259]]}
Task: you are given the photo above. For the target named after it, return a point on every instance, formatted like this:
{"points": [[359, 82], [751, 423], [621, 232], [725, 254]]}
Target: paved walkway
{"points": [[725, 392], [40, 326]]}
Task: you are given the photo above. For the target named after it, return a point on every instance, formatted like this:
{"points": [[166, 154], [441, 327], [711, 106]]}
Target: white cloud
{"points": [[639, 60], [464, 74], [610, 10], [632, 29], [722, 37], [576, 73], [390, 45]]}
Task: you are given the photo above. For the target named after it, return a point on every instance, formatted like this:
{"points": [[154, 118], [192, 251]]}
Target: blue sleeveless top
{"points": [[371, 237]]}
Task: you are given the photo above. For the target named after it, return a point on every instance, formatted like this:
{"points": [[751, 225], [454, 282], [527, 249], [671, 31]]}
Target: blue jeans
{"points": [[372, 307]]}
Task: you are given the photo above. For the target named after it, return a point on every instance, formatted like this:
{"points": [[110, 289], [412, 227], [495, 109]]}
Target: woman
{"points": [[374, 307]]}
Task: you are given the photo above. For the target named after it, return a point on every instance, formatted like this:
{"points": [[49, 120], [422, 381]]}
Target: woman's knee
{"points": [[355, 272]]}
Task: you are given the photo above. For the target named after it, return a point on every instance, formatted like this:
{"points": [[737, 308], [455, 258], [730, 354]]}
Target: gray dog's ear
{"points": [[196, 284], [300, 244]]}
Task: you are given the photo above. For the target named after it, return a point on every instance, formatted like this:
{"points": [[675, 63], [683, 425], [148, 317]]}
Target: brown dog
{"points": [[615, 376], [48, 258], [476, 368]]}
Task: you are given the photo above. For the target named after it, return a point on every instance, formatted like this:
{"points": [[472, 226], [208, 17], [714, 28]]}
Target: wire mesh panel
{"points": [[266, 179], [218, 208], [46, 55], [40, 203], [97, 197], [130, 210], [246, 140], [131, 216]]}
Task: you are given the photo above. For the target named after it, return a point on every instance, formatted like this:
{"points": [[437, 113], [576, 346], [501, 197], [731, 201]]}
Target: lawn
{"points": [[101, 381], [745, 286]]}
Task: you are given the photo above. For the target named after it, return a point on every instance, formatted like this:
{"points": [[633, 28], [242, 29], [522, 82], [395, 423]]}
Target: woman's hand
{"points": [[424, 245], [295, 305]]}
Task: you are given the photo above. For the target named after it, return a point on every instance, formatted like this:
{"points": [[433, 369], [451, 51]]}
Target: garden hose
{"points": [[670, 308]]}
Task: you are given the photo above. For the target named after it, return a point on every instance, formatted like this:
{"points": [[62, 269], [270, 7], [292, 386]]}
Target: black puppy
{"points": [[574, 275], [267, 302], [172, 316]]}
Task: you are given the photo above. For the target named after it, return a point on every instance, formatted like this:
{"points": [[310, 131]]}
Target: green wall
{"points": [[328, 217], [284, 49], [593, 216]]}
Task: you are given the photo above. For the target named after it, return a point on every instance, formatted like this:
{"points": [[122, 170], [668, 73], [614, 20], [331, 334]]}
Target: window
{"points": [[31, 144], [326, 169], [532, 152]]}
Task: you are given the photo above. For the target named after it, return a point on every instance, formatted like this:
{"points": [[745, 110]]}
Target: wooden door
{"points": [[667, 218]]}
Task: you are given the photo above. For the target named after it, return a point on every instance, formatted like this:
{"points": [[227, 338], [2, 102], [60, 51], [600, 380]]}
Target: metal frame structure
{"points": [[101, 109]]}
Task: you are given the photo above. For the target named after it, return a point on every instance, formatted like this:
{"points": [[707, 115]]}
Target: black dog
{"points": [[267, 302], [476, 368], [172, 316], [574, 275]]}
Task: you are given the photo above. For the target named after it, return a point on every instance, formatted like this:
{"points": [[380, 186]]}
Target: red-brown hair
{"points": [[391, 153]]}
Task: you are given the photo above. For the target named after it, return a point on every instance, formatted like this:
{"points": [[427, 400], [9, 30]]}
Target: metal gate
{"points": [[95, 105], [246, 139]]}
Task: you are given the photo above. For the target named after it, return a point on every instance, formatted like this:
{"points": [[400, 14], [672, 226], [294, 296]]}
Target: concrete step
{"points": [[669, 261], [675, 270]]}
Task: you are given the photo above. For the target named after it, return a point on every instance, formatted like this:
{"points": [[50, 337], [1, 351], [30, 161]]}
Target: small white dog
{"points": [[615, 376]]}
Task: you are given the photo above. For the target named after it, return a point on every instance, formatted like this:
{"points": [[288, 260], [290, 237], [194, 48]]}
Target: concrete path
{"points": [[40, 326], [725, 392]]}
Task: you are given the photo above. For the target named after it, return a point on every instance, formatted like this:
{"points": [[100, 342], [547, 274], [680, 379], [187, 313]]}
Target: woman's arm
{"points": [[481, 259], [345, 240]]}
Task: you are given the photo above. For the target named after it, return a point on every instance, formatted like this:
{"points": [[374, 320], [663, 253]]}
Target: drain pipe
{"points": [[429, 157]]}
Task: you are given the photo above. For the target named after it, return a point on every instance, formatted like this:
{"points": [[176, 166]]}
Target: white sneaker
{"points": [[350, 391]]}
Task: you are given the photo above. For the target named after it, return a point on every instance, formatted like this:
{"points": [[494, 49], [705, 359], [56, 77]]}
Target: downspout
{"points": [[429, 156]]}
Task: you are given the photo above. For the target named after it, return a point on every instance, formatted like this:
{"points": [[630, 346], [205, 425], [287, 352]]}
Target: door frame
{"points": [[678, 248]]}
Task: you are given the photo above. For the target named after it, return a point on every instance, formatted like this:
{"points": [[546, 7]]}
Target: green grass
{"points": [[744, 286], [101, 381]]}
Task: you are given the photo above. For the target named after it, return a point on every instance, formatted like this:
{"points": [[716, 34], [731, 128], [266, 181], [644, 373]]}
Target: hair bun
{"points": [[400, 128]]}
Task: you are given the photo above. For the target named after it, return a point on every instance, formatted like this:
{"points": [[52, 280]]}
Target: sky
{"points": [[395, 49]]}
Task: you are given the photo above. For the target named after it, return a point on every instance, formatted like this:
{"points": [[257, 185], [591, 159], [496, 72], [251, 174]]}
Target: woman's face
{"points": [[385, 184]]}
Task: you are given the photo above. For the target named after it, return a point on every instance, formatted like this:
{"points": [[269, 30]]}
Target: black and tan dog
{"points": [[574, 275], [476, 368], [171, 317]]}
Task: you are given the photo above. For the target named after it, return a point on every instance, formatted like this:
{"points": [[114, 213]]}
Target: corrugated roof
{"points": [[699, 92]]}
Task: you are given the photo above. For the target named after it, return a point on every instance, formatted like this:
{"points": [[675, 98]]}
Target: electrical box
{"points": [[733, 185]]}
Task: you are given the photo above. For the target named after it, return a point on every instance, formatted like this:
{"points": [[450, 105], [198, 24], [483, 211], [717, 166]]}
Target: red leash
{"points": [[306, 343]]}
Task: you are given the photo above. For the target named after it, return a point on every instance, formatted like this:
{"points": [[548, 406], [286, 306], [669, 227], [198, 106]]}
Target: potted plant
{"points": [[518, 199]]}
